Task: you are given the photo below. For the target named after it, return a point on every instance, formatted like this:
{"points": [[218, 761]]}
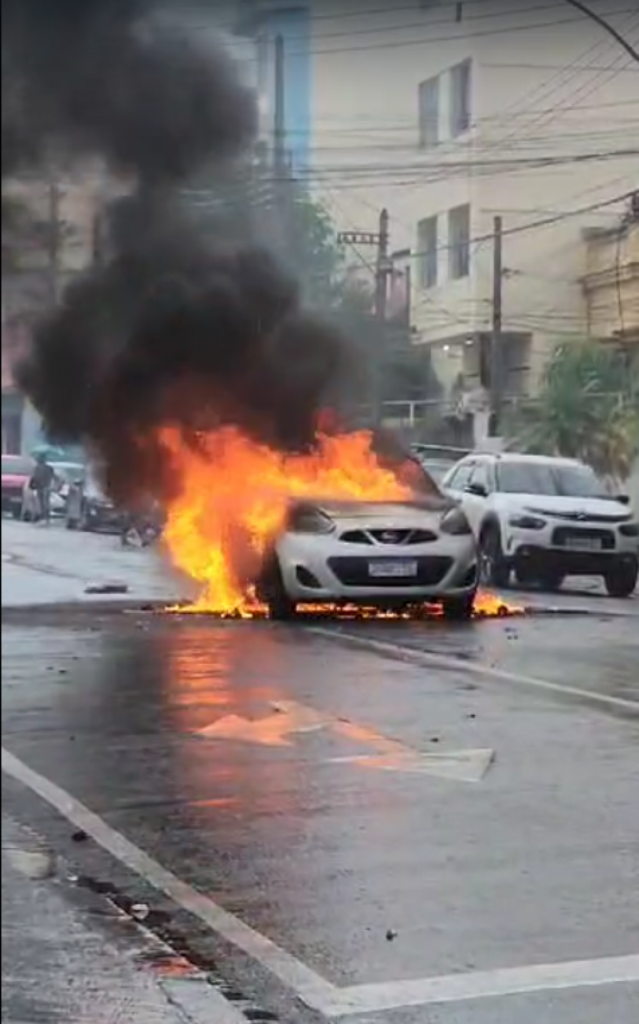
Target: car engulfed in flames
{"points": [[375, 554], [334, 530]]}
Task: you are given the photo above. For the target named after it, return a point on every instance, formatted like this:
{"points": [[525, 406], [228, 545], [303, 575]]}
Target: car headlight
{"points": [[455, 522], [310, 521], [526, 522], [629, 530]]}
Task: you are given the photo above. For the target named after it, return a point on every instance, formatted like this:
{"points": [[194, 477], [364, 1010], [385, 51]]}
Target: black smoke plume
{"points": [[170, 329]]}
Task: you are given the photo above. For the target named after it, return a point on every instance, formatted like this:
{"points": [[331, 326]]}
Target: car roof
{"points": [[520, 457]]}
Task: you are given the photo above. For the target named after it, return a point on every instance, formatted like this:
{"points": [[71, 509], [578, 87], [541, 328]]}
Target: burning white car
{"points": [[381, 554]]}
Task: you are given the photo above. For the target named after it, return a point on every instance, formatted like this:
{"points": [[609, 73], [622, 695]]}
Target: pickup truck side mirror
{"points": [[477, 489]]}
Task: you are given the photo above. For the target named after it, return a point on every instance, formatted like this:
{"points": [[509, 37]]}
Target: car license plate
{"points": [[583, 543], [392, 570]]}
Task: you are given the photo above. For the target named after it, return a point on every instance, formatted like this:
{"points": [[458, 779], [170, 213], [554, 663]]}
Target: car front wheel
{"points": [[458, 609], [494, 568], [622, 579], [281, 607]]}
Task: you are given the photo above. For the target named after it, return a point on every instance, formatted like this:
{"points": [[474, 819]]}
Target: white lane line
{"points": [[312, 989], [454, 988], [309, 987], [445, 661]]}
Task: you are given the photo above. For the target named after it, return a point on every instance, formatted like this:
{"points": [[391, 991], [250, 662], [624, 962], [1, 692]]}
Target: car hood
{"points": [[601, 508], [383, 510]]}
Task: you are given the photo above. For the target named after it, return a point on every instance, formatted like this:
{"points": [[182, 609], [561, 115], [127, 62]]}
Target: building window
{"points": [[460, 98], [459, 242], [427, 249], [429, 113]]}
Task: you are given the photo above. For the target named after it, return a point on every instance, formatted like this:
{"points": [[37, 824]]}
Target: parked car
{"points": [[89, 508], [546, 518], [438, 459], [65, 475], [16, 473]]}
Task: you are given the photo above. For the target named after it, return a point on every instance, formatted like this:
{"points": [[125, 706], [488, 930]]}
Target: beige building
{"points": [[451, 113], [611, 281]]}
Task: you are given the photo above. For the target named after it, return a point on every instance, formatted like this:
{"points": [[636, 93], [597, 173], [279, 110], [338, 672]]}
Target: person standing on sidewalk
{"points": [[41, 483]]}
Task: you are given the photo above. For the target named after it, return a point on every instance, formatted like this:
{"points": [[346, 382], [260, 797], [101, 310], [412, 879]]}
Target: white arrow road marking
{"points": [[271, 731], [391, 755], [460, 765]]}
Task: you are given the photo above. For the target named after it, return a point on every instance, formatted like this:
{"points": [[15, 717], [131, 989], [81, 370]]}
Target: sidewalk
{"points": [[69, 958], [49, 565]]}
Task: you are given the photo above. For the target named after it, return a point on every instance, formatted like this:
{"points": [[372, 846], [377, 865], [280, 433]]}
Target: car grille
{"points": [[403, 536], [353, 572], [564, 534], [578, 517]]}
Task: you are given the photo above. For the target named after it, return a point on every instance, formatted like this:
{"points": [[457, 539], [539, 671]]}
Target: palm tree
{"points": [[587, 408]]}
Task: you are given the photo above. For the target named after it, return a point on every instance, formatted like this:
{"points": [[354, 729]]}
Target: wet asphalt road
{"points": [[353, 855]]}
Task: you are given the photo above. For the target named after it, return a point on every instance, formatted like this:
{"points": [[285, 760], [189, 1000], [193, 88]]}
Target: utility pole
{"points": [[54, 240], [281, 172], [383, 267], [496, 351]]}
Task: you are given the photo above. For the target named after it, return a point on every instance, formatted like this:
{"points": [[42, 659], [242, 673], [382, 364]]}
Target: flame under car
{"points": [[383, 554]]}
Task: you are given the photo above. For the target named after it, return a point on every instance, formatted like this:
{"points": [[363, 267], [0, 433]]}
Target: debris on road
{"points": [[107, 588]]}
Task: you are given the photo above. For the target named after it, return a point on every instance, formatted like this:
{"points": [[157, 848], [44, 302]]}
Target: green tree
{"points": [[587, 408]]}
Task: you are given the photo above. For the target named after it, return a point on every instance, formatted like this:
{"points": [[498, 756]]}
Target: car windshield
{"points": [[14, 464], [437, 468], [556, 479]]}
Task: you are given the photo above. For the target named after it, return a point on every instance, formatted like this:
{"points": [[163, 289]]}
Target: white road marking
{"points": [[310, 987], [313, 990], [458, 765], [454, 988], [476, 668], [289, 717]]}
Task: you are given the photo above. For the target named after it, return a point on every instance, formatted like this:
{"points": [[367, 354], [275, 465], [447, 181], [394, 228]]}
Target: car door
{"points": [[476, 501]]}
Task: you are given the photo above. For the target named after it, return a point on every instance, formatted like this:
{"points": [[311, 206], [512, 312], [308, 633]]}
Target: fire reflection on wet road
{"points": [[531, 863]]}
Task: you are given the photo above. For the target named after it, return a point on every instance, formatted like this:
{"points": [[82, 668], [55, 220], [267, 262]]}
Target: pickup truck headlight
{"points": [[454, 522], [526, 522]]}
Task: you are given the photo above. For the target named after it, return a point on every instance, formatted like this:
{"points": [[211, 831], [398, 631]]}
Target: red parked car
{"points": [[16, 473]]}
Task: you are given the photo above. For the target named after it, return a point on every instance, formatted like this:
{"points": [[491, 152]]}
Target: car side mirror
{"points": [[624, 499], [477, 489]]}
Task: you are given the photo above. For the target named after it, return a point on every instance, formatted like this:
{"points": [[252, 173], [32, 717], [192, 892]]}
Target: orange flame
{"points": [[232, 501], [233, 489]]}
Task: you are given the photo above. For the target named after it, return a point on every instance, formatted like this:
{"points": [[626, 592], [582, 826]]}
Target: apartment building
{"points": [[611, 280], [450, 113]]}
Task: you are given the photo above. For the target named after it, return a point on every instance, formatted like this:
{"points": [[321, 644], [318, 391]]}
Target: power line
{"points": [[607, 27], [430, 40]]}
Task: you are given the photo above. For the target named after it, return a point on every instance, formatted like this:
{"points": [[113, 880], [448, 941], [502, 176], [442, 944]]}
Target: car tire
{"points": [[525, 575], [71, 524], [551, 581], [281, 608], [621, 580], [458, 609], [17, 513], [494, 568]]}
